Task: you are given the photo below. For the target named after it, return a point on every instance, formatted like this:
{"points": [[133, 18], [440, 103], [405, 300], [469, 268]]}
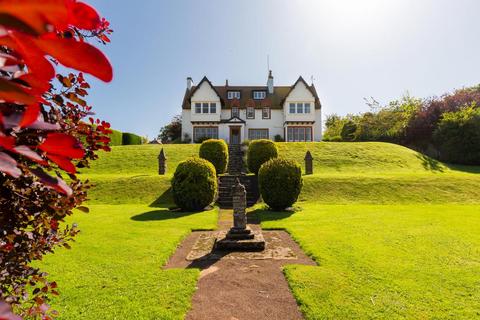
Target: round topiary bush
{"points": [[215, 151], [259, 152], [194, 184], [280, 181]]}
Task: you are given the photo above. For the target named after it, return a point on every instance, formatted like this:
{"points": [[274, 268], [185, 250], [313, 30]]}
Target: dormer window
{"points": [[259, 95], [233, 95]]}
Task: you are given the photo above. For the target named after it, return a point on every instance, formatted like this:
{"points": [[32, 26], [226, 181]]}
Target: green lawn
{"points": [[395, 234], [385, 261]]}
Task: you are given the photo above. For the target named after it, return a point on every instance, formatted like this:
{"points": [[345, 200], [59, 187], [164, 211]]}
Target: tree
{"points": [[171, 132], [44, 137], [457, 136]]}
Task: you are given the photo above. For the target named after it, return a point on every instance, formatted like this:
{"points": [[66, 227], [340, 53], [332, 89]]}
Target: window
{"points": [[198, 108], [259, 95], [213, 107], [233, 95], [292, 108], [204, 132], [299, 134], [250, 113], [257, 134], [307, 107], [235, 112], [266, 113], [205, 107], [299, 107]]}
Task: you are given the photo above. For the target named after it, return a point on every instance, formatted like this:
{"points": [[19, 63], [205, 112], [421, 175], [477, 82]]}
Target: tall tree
{"points": [[171, 132]]}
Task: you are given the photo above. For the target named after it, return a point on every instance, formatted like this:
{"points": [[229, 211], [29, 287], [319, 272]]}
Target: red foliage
{"points": [[43, 136]]}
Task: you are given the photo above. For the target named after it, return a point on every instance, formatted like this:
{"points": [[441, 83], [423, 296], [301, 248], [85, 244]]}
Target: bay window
{"points": [[204, 132], [299, 134], [254, 134]]}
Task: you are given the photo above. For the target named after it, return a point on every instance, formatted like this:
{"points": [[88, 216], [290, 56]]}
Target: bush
{"points": [[200, 140], [348, 131], [259, 152], [278, 138], [280, 182], [116, 138], [215, 151], [457, 136], [194, 184], [131, 139]]}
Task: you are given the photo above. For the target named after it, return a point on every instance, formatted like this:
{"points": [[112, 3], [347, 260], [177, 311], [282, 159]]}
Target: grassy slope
{"points": [[114, 271]]}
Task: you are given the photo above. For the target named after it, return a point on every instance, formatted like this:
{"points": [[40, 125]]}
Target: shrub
{"points": [[280, 182], [259, 152], [194, 184], [457, 136], [278, 138], [215, 151], [131, 139], [200, 140], [348, 131], [116, 138]]}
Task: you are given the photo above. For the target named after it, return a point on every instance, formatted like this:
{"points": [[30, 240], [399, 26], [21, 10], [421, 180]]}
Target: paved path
{"points": [[237, 286]]}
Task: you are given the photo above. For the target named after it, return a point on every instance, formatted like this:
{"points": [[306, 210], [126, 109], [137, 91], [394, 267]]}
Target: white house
{"points": [[236, 113]]}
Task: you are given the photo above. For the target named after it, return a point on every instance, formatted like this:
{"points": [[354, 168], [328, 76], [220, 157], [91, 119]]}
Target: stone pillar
{"points": [[239, 206], [308, 163], [162, 163]]}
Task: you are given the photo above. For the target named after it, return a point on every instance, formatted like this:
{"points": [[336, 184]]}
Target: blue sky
{"points": [[352, 48]]}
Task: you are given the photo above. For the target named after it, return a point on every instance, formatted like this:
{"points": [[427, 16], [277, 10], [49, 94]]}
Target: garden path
{"points": [[240, 285]]}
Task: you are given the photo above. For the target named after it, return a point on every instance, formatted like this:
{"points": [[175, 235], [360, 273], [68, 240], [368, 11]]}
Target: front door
{"points": [[234, 135]]}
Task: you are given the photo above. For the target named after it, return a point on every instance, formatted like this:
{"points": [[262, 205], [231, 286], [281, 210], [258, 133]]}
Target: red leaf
{"points": [[9, 165], [11, 92], [77, 55], [38, 85], [83, 16], [29, 153], [62, 144], [63, 162], [7, 142], [55, 183], [30, 115], [38, 13]]}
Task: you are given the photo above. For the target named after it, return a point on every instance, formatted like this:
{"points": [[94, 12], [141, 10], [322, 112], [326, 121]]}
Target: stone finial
{"points": [[239, 199], [308, 163], [162, 163]]}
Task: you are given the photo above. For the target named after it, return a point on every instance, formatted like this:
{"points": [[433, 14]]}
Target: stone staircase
{"points": [[225, 184], [235, 160]]}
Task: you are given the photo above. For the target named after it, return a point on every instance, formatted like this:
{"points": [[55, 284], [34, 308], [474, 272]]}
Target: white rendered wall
{"points": [[186, 124], [205, 93], [317, 129], [300, 94]]}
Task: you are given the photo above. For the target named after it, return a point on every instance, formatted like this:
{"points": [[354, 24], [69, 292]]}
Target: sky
{"points": [[352, 49]]}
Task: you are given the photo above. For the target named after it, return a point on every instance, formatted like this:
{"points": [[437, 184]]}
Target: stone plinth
{"points": [[240, 237]]}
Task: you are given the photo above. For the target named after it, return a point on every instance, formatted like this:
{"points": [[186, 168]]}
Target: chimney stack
{"points": [[226, 82], [270, 82], [189, 83]]}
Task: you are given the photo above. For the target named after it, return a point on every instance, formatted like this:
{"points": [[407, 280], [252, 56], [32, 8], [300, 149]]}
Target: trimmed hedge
{"points": [[280, 181], [194, 184], [215, 151], [131, 139], [116, 138], [259, 152]]}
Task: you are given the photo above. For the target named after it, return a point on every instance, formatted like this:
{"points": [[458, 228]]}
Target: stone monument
{"points": [[308, 163], [240, 236], [162, 163]]}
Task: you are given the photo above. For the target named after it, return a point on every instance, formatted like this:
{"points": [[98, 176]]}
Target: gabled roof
{"points": [[276, 100]]}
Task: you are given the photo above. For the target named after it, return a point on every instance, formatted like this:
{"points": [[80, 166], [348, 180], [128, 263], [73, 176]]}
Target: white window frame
{"points": [[199, 106], [259, 95], [210, 132], [309, 107], [233, 95], [235, 112], [258, 133], [290, 105], [250, 111], [300, 107], [269, 113], [213, 106]]}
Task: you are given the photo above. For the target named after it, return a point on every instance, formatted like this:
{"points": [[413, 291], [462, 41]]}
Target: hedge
{"points": [[194, 184], [215, 151], [259, 152], [280, 182], [116, 138], [131, 139]]}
